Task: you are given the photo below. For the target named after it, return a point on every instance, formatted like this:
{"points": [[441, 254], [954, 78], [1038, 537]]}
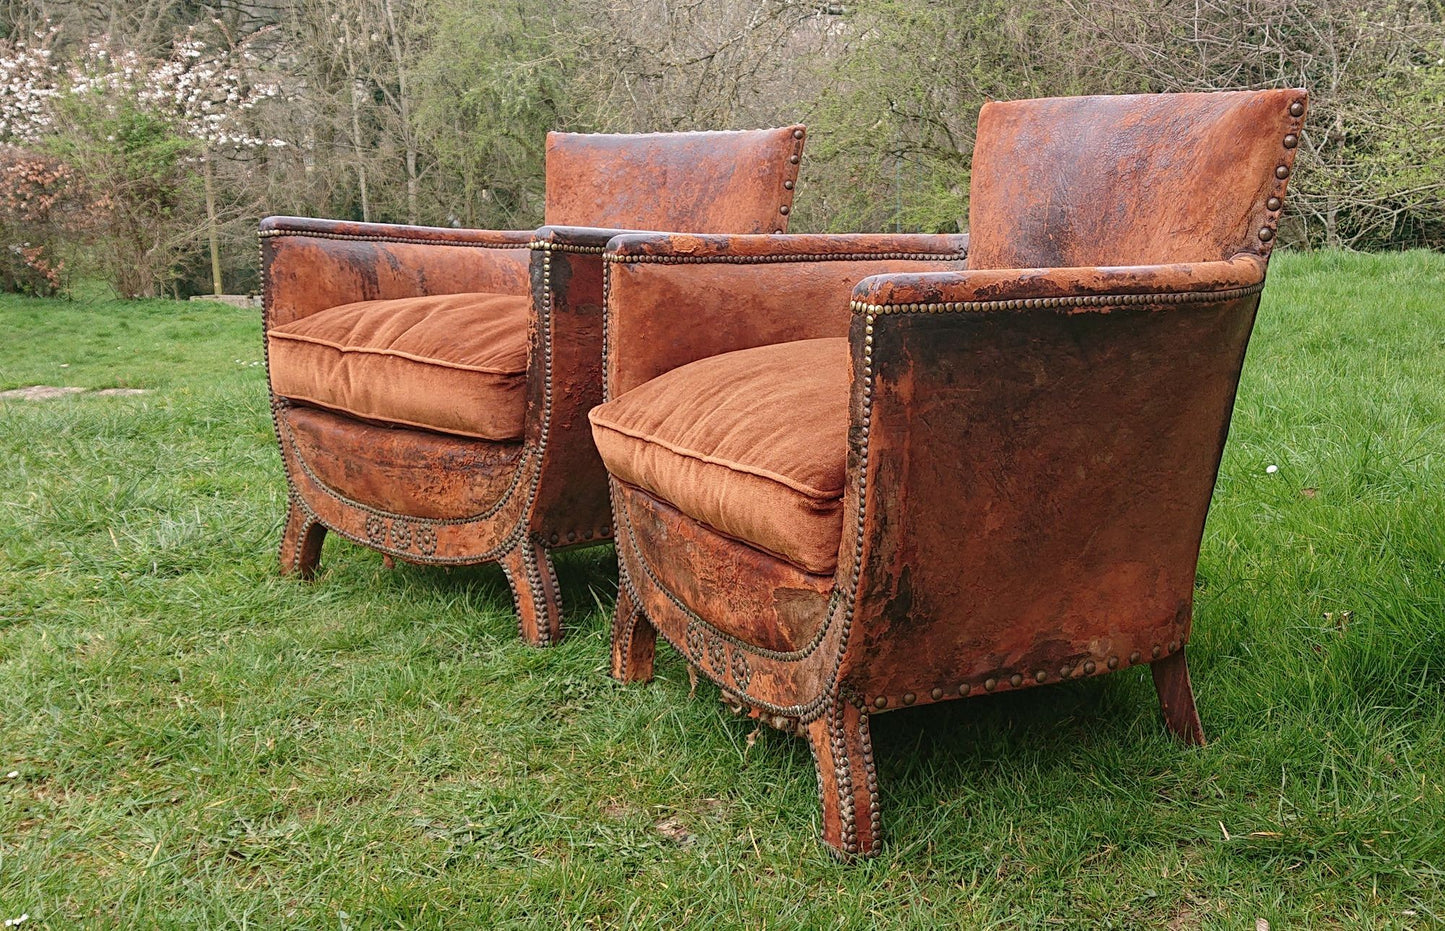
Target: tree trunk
{"points": [[403, 99], [212, 230]]}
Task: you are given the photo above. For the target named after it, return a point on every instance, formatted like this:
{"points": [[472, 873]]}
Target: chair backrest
{"points": [[1130, 180], [708, 182]]}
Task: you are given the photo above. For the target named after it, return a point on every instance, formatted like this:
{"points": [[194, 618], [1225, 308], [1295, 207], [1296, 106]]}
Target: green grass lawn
{"points": [[196, 742]]}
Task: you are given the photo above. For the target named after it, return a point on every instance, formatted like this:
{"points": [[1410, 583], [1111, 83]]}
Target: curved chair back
{"points": [[718, 182], [1129, 180]]}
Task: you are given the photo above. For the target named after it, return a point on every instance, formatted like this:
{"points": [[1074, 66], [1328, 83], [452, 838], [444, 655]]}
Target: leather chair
{"points": [[961, 476], [430, 386]]}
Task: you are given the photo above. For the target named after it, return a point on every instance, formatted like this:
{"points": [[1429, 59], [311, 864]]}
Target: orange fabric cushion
{"points": [[456, 363], [751, 443]]}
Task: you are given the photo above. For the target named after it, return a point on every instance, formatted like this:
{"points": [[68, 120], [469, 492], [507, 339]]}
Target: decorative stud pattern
{"points": [[742, 670], [716, 654], [694, 642]]}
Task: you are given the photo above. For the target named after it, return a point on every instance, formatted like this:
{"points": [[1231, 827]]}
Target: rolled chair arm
{"points": [[391, 232], [676, 298], [1063, 285], [308, 265], [704, 247]]}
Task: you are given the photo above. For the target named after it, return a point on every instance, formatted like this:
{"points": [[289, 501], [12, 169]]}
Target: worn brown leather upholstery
{"points": [[430, 386], [1032, 437]]}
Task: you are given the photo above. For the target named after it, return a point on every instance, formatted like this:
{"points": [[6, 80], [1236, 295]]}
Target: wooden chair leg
{"points": [[847, 780], [529, 571], [301, 542], [634, 639], [1176, 697]]}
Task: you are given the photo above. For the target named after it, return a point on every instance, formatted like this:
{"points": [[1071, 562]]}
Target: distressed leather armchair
{"points": [[961, 476], [430, 386]]}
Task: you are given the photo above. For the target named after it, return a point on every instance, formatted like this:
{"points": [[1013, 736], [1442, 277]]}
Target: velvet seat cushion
{"points": [[455, 363], [751, 443]]}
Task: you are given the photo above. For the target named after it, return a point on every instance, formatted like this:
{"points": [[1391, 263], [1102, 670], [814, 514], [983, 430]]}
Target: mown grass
{"points": [[199, 743]]}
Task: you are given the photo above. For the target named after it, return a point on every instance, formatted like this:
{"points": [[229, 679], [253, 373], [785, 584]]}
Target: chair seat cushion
{"points": [[751, 443], [456, 363]]}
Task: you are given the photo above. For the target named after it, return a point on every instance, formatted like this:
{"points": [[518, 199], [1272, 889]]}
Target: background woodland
{"points": [[140, 142]]}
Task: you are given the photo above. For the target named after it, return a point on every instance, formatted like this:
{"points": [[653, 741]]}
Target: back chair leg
{"points": [[528, 567], [634, 639], [847, 779], [1176, 697], [301, 542]]}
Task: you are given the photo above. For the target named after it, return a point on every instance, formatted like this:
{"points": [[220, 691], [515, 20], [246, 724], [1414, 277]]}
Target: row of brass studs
{"points": [[790, 183], [404, 534], [580, 536], [407, 240], [549, 246], [1052, 303], [1281, 172], [1016, 680], [955, 255]]}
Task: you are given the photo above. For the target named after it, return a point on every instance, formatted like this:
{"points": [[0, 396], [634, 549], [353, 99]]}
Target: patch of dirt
{"points": [[38, 393], [675, 831], [51, 392]]}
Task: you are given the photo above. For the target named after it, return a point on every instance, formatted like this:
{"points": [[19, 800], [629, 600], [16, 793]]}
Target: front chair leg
{"points": [[847, 779], [1176, 697], [634, 639], [529, 571], [301, 542]]}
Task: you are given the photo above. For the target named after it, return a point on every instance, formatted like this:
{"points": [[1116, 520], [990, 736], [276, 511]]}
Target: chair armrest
{"points": [[675, 298], [309, 264], [1066, 284], [1031, 458]]}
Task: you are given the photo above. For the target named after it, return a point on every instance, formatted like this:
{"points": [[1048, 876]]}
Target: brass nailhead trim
{"points": [[1266, 234], [1134, 657], [1016, 680], [954, 255], [964, 689], [411, 240], [909, 698], [937, 693], [1274, 203], [1282, 172], [1042, 303], [1297, 108], [1291, 140], [547, 246]]}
